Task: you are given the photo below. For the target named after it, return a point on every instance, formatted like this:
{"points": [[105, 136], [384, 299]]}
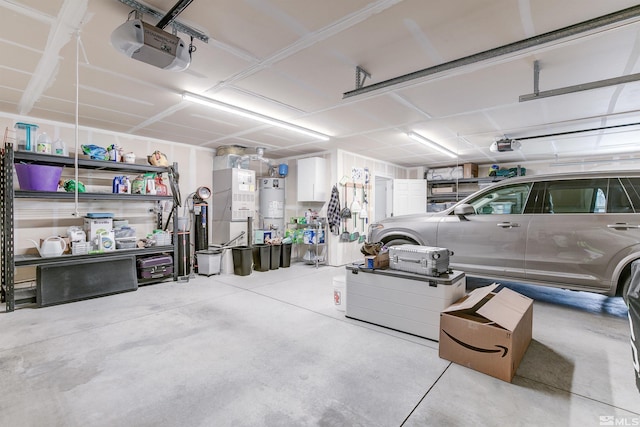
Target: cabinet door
{"points": [[312, 186]]}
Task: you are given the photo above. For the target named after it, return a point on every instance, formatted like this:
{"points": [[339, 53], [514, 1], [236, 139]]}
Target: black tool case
{"points": [[156, 267]]}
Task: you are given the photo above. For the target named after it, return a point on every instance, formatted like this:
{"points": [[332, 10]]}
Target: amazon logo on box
{"points": [[487, 331]]}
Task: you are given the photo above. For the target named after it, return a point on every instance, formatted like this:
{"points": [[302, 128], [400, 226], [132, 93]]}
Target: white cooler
{"points": [[400, 300]]}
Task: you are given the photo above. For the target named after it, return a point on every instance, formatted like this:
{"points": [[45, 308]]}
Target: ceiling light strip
{"points": [[218, 105], [421, 139]]}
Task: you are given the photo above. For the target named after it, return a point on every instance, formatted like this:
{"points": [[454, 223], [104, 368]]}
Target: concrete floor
{"points": [[270, 349]]}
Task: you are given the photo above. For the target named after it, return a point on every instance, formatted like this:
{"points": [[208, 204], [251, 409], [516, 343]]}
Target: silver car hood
{"points": [[412, 217]]}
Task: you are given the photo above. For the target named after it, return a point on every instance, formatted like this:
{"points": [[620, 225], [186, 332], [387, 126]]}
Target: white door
{"points": [[409, 196], [383, 202]]}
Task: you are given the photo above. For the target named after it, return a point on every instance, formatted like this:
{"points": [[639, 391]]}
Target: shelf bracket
{"points": [[361, 76]]}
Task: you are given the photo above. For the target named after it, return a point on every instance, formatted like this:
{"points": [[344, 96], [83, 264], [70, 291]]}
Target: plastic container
{"points": [[162, 238], [340, 292], [59, 148], [209, 261], [125, 242], [43, 146], [285, 255], [38, 177], [261, 257], [241, 260], [26, 136], [79, 248], [275, 256]]}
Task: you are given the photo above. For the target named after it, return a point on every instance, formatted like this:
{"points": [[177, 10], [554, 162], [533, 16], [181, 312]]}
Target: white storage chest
{"points": [[400, 300]]}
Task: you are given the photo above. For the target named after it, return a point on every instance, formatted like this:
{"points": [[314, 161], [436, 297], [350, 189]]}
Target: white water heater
{"points": [[272, 192]]}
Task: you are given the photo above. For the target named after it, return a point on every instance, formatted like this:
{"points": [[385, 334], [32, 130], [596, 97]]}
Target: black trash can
{"points": [[241, 260], [633, 302], [261, 257], [275, 256], [285, 255]]}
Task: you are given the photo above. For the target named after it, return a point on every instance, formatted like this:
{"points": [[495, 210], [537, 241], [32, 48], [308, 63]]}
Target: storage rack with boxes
{"points": [[93, 274], [446, 186]]}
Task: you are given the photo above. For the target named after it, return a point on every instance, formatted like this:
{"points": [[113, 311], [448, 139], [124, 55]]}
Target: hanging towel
{"points": [[333, 211]]}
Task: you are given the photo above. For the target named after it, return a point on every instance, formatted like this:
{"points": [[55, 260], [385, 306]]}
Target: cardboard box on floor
{"points": [[487, 331]]}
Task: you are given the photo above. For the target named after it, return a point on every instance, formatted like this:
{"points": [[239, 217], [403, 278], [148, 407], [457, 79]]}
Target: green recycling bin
{"points": [[241, 260]]}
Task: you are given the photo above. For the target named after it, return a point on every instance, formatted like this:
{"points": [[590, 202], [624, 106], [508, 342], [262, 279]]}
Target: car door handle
{"points": [[623, 225], [508, 224]]}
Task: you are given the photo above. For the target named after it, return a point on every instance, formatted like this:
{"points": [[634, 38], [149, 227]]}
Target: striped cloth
{"points": [[333, 211]]}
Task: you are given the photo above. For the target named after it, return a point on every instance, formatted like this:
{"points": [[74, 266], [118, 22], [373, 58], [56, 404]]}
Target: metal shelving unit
{"points": [[455, 194], [10, 261], [317, 252]]}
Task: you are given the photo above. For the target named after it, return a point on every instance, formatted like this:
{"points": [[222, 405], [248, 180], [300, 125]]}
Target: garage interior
{"points": [[393, 88]]}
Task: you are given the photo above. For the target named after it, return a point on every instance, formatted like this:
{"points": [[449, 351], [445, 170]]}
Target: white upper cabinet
{"points": [[312, 181]]}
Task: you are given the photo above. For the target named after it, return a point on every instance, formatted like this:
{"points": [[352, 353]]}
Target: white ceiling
{"points": [[294, 60]]}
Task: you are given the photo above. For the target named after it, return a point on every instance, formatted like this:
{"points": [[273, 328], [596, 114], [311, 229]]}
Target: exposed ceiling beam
{"points": [[62, 29]]}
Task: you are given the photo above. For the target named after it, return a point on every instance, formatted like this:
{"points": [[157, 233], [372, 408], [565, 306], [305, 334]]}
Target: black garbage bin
{"points": [[633, 302], [285, 255], [261, 257], [241, 260], [275, 256]]}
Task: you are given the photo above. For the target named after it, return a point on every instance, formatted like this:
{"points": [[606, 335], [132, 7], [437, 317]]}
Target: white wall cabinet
{"points": [[312, 181]]}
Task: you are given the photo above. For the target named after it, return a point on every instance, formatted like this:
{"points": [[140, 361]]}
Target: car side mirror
{"points": [[463, 210]]}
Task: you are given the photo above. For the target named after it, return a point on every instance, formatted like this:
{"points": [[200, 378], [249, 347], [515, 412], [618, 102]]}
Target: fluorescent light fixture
{"points": [[421, 139], [218, 105]]}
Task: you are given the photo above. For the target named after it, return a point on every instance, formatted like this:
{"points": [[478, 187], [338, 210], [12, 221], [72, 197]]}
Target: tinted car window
{"points": [[505, 200], [576, 196], [617, 200], [632, 186]]}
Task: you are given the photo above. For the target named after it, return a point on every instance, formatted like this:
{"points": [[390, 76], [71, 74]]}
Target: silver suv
{"points": [[577, 231]]}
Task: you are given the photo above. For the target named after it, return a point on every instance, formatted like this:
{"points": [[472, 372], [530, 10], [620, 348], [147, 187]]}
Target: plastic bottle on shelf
{"points": [[44, 144], [59, 148]]}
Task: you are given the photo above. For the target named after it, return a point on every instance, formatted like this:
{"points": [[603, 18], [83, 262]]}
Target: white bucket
{"points": [[340, 292], [183, 221]]}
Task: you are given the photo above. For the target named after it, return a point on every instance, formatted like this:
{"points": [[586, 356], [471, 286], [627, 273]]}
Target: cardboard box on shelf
{"points": [[377, 261], [93, 226], [470, 170], [487, 331], [442, 189]]}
